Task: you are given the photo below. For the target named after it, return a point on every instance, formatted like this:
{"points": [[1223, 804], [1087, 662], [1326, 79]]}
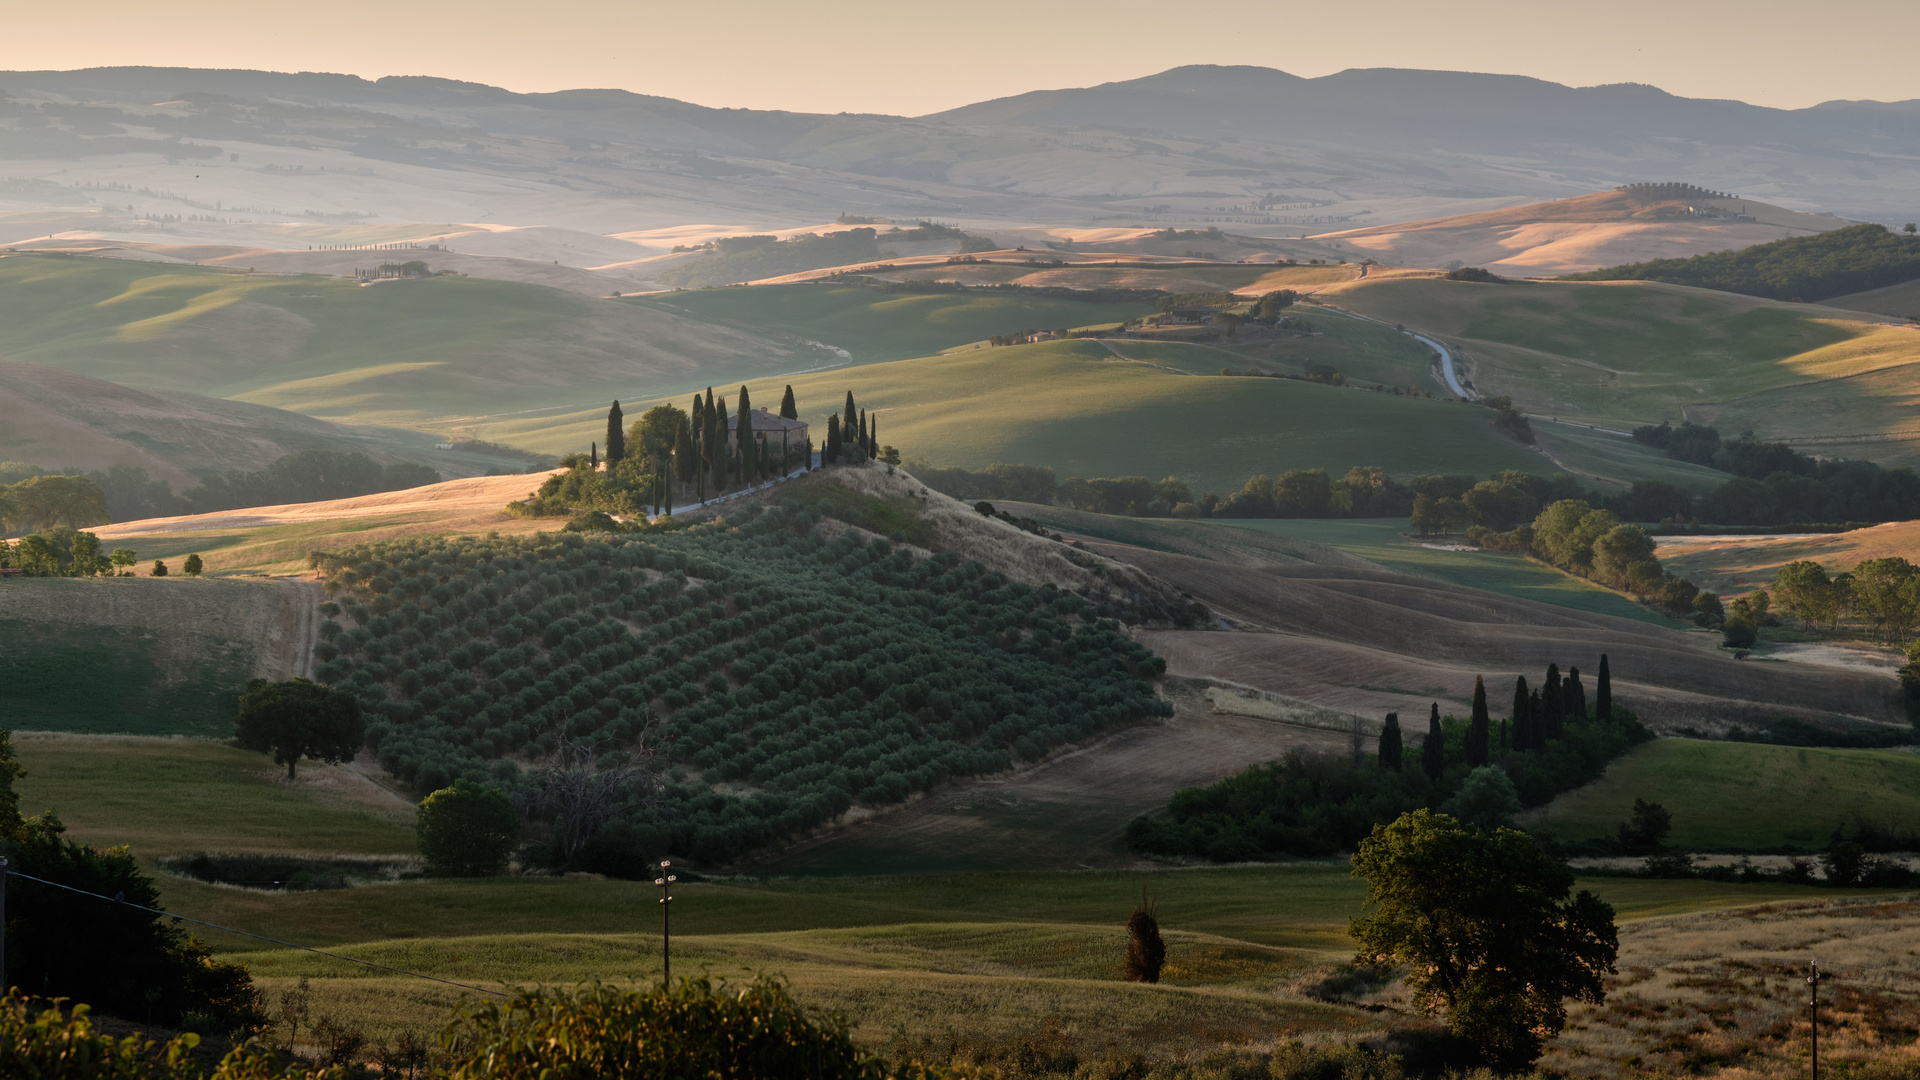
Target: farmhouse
{"points": [[777, 429]]}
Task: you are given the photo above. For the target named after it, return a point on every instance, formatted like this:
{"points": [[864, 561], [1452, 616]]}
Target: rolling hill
{"points": [[1587, 232], [431, 354], [1621, 354], [74, 421]]}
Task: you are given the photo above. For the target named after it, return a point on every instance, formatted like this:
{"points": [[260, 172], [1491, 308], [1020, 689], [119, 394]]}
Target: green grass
{"points": [[1380, 541], [873, 325], [172, 796], [1745, 796], [1074, 406], [117, 679], [1627, 354], [411, 354], [1600, 455]]}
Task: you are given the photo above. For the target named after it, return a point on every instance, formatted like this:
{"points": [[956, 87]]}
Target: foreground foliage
{"points": [[1485, 920], [109, 953], [819, 670]]}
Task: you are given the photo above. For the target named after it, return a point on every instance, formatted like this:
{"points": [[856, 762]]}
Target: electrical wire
{"points": [[246, 933]]}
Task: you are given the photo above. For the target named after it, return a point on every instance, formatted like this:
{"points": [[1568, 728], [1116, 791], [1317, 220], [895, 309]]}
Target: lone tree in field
{"points": [[787, 408], [1146, 950], [159, 568], [616, 436], [1477, 730], [1485, 921], [1433, 753], [1603, 692], [193, 565], [1390, 749], [467, 830], [300, 719]]}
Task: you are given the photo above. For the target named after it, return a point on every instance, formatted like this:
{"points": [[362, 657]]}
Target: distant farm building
{"points": [[778, 430]]}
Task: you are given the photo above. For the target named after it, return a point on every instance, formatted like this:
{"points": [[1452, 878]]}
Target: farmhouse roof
{"points": [[767, 421]]}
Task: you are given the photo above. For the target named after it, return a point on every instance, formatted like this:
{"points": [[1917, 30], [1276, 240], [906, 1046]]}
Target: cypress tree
{"points": [[1433, 753], [1477, 731], [1536, 721], [1522, 732], [1603, 692], [1554, 702], [719, 450], [745, 418], [873, 437], [1390, 749], [616, 436], [1504, 736], [832, 453], [593, 454], [683, 462], [847, 421], [1576, 696], [787, 407], [864, 446], [699, 413]]}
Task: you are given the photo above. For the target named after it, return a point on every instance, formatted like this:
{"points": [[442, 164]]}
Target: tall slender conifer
{"points": [[787, 408], [616, 436], [1478, 728], [1522, 731], [744, 417], [1433, 753], [1390, 748], [1603, 692]]}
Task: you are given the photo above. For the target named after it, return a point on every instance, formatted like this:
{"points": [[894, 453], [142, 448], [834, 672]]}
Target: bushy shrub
{"points": [[467, 830]]}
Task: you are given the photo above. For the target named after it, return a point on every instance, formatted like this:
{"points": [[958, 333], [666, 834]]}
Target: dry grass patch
{"points": [[1724, 994]]}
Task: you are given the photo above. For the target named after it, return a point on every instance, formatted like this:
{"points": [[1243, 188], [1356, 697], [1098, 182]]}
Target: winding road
{"points": [[1446, 363]]}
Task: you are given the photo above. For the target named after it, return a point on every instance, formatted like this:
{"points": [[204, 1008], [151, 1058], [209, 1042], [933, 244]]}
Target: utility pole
{"points": [[665, 881], [1813, 981]]}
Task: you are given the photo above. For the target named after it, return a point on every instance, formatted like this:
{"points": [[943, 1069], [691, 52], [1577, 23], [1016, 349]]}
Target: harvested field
{"points": [[277, 539], [1370, 640], [1724, 993], [1730, 565], [1067, 811], [146, 655]]}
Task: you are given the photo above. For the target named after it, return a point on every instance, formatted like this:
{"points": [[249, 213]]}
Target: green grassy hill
{"points": [[1622, 354], [1076, 406], [1745, 796], [431, 353], [873, 325]]}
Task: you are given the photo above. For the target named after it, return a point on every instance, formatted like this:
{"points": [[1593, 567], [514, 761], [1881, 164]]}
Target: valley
{"points": [[1171, 490]]}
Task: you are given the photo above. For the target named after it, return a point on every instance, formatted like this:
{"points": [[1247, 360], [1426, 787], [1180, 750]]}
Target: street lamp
{"points": [[665, 881]]}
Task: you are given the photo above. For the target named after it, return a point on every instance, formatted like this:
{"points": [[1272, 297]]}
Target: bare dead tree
{"points": [[577, 793]]}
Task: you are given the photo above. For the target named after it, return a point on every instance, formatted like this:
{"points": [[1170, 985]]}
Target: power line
{"points": [[246, 933]]}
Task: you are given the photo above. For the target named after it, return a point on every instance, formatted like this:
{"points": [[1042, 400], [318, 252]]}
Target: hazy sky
{"points": [[913, 57]]}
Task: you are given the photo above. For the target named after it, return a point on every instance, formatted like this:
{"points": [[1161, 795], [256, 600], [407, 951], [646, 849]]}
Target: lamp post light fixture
{"points": [[665, 881], [1813, 981]]}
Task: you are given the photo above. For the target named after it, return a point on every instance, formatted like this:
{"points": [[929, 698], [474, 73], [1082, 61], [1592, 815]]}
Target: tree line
{"points": [[674, 454], [1805, 268]]}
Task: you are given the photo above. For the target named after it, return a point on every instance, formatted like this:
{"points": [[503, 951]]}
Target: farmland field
{"points": [[1627, 354], [1077, 407], [1745, 796], [873, 325], [1380, 541], [406, 354]]}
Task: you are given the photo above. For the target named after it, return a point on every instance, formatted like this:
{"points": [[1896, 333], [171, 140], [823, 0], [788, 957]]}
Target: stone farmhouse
{"points": [[779, 430]]}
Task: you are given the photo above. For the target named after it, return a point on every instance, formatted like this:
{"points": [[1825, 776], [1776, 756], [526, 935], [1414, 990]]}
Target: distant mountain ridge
{"points": [[1372, 132]]}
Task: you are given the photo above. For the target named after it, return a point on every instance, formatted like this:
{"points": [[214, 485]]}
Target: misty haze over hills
{"points": [[1358, 147]]}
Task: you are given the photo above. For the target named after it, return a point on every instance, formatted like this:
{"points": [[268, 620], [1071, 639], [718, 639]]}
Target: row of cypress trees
{"points": [[703, 455], [848, 442], [1539, 718]]}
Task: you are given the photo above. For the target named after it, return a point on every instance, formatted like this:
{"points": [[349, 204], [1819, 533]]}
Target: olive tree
{"points": [[467, 830], [300, 718], [1486, 923]]}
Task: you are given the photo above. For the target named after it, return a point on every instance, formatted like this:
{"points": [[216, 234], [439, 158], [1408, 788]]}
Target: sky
{"points": [[912, 57]]}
